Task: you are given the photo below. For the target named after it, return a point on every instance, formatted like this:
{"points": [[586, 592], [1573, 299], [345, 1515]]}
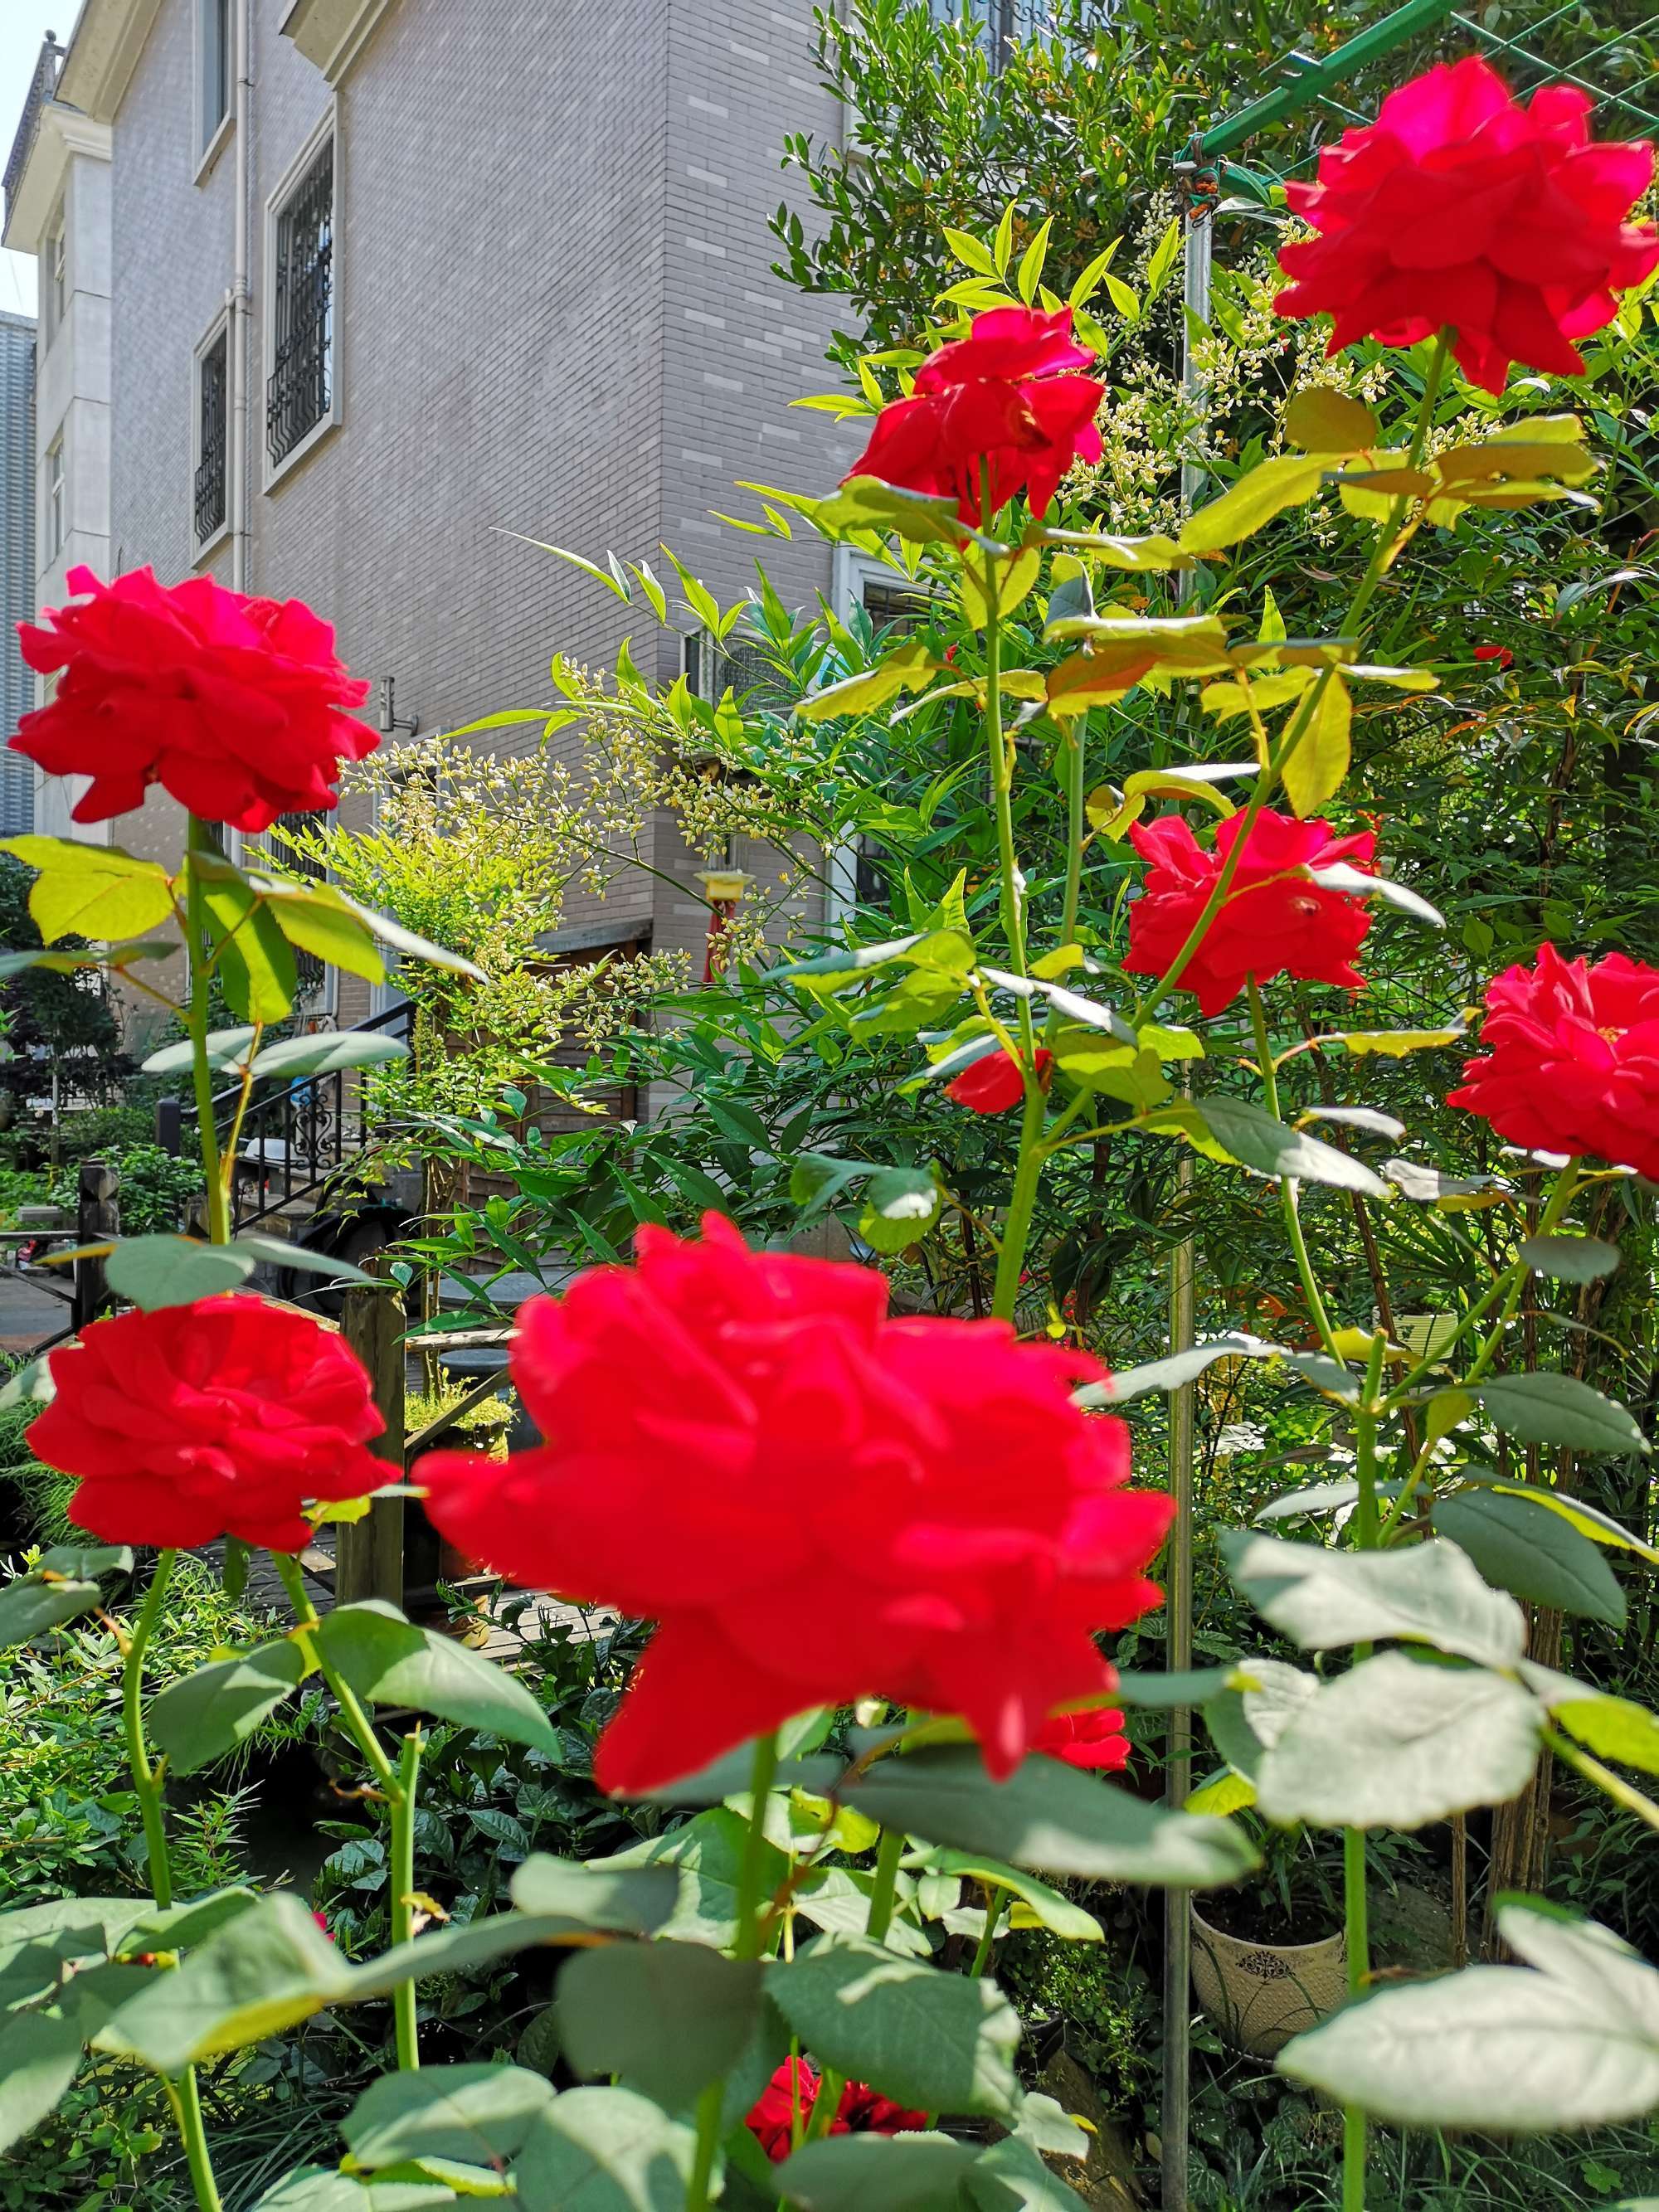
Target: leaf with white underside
{"points": [[1322, 1600], [1258, 1139], [1339, 876], [1570, 2041], [1398, 1742]]}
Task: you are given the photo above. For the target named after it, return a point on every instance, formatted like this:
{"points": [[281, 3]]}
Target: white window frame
{"points": [[217, 329], [55, 291], [215, 20], [54, 502], [272, 473]]}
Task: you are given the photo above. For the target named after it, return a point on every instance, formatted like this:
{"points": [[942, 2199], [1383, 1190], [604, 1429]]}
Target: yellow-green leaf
{"points": [[1319, 760], [1324, 421], [1032, 261], [1015, 578], [905, 669], [1286, 480], [1090, 282], [1164, 258], [969, 250], [92, 890]]}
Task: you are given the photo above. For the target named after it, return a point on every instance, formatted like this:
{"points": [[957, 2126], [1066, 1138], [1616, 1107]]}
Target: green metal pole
{"points": [[1315, 79]]}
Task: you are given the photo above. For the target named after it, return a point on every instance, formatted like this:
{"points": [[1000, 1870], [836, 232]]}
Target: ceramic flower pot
{"points": [[1260, 1995]]}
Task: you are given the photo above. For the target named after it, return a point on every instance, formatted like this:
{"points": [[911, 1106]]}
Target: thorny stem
{"points": [[200, 842], [182, 2095]]}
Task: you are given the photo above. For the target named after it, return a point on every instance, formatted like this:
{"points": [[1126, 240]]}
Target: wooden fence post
{"points": [[369, 1553], [97, 1219]]}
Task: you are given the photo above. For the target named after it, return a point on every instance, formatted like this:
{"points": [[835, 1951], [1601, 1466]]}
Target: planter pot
{"points": [[1260, 1995]]}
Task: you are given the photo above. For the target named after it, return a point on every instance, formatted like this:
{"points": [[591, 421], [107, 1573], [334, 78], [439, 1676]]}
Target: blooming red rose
{"points": [[1095, 1739], [1274, 920], [1003, 397], [1570, 1060], [234, 706], [1500, 653], [992, 1084], [793, 2091], [219, 1418], [1459, 206], [815, 1502]]}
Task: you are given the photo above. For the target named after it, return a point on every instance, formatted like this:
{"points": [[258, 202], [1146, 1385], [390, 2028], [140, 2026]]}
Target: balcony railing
{"points": [[42, 86]]}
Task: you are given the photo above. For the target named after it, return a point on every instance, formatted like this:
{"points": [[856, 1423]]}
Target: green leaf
{"points": [[969, 250], [383, 1657], [39, 2057], [324, 1055], [181, 1926], [1571, 1259], [1613, 1728], [1499, 2047], [901, 1205], [1048, 1907], [412, 946], [254, 960], [1245, 1722], [1321, 421], [479, 2114], [1030, 273], [1520, 1546], [604, 2150], [619, 1901], [1177, 1368], [906, 668], [1318, 762], [28, 1607], [303, 1259], [1430, 1594], [1048, 1816], [1558, 1409], [160, 1271], [1164, 1692], [867, 503], [1010, 2173], [707, 1853], [875, 2173], [1164, 255], [200, 1717], [84, 1562], [1399, 1742], [936, 2041], [318, 920], [92, 890], [325, 2189], [223, 1048], [666, 2018], [268, 1970], [1257, 1140], [1286, 480], [1589, 1520]]}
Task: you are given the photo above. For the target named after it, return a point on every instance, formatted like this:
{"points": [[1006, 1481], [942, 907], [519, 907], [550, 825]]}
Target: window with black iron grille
{"points": [[300, 394], [212, 437]]}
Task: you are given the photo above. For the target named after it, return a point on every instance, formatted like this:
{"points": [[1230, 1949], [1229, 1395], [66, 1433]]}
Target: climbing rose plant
{"points": [[824, 1506]]}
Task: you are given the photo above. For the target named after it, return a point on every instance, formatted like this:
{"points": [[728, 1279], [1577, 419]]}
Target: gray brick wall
{"points": [[556, 316]]}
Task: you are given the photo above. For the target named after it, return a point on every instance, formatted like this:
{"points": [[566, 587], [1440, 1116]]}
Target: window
{"points": [[54, 500], [300, 391], [212, 442], [57, 300], [213, 44]]}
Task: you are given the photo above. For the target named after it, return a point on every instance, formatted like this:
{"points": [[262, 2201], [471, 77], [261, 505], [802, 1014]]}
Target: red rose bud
{"points": [[1094, 1739], [1003, 398], [1570, 1060], [1459, 206], [952, 1532], [1275, 920], [996, 1083], [1500, 653], [234, 706], [220, 1419]]}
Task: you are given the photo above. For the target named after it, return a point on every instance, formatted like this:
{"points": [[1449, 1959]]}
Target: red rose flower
{"points": [[1274, 920], [1500, 653], [816, 1503], [1570, 1060], [793, 2090], [992, 1084], [1002, 396], [1095, 1739], [1459, 206], [233, 705], [219, 1418]]}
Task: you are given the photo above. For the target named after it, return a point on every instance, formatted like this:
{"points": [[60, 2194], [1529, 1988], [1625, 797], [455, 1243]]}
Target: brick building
{"points": [[337, 292], [16, 556]]}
